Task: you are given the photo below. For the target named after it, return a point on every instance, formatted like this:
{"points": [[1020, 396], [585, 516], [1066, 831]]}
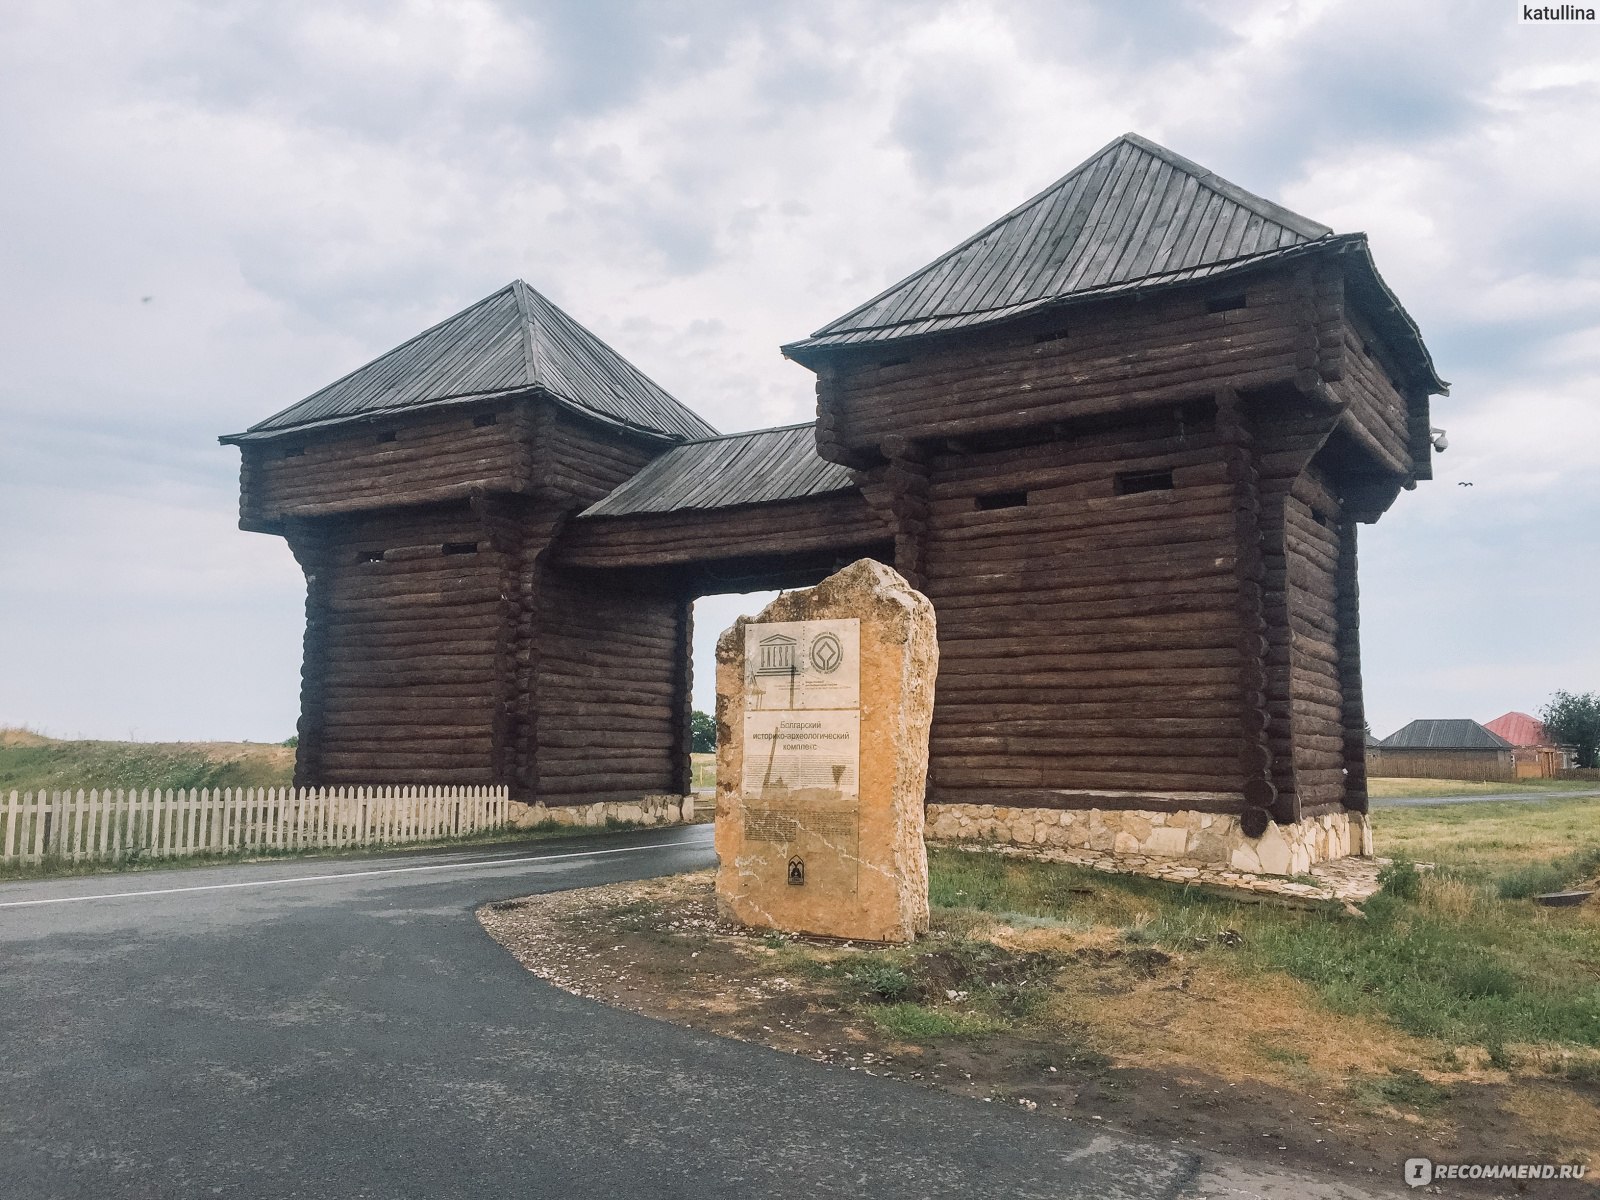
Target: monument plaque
{"points": [[823, 705]]}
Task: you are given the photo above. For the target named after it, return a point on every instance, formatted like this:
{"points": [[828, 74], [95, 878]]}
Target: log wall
{"points": [[1110, 358], [611, 691], [581, 460], [401, 649], [840, 522], [1312, 554], [1288, 437], [524, 445], [1088, 640], [1135, 521], [413, 459]]}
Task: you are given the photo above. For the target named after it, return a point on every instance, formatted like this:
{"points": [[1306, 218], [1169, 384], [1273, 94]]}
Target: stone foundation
{"points": [[1180, 839], [647, 810]]}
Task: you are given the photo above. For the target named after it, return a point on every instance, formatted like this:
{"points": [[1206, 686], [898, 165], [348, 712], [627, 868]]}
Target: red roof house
{"points": [[1534, 752]]}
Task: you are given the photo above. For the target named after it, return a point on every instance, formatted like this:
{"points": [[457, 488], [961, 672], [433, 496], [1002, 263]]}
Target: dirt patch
{"points": [[1059, 1022], [22, 737]]}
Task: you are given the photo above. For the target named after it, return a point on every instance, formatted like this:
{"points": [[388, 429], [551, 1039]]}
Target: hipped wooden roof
{"points": [[1456, 733], [1134, 217], [512, 341], [758, 467]]}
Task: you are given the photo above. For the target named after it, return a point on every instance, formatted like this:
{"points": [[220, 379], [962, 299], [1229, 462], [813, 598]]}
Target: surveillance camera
{"points": [[1440, 442]]}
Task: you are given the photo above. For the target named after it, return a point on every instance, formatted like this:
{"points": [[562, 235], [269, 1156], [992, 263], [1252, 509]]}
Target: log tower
{"points": [[1122, 437]]}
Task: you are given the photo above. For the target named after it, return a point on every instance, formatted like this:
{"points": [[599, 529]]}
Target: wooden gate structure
{"points": [[1122, 438]]}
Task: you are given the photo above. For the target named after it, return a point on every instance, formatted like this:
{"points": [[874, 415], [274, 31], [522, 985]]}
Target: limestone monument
{"points": [[823, 707]]}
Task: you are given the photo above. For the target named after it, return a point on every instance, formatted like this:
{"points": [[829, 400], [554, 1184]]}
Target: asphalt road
{"points": [[326, 1028]]}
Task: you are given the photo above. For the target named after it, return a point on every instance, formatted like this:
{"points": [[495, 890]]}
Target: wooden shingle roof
{"points": [[1134, 217], [1457, 733], [514, 340], [758, 467]]}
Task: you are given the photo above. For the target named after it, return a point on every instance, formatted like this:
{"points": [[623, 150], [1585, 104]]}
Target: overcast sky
{"points": [[210, 210]]}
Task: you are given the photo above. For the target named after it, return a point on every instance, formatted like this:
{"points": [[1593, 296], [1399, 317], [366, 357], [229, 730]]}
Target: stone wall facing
{"points": [[1184, 839], [647, 810]]}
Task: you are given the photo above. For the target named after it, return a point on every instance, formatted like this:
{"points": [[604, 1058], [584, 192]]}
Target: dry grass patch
{"points": [[1390, 787], [1491, 835]]}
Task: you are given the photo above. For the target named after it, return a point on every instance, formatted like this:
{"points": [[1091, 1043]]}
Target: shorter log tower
{"points": [[1122, 438]]}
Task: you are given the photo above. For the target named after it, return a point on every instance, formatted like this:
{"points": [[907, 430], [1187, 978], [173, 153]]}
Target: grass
{"points": [[32, 762], [703, 776], [1386, 788], [1491, 836], [919, 1023], [1441, 955]]}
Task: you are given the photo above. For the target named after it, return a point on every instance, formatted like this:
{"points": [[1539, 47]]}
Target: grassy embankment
{"points": [[32, 762], [1457, 955]]}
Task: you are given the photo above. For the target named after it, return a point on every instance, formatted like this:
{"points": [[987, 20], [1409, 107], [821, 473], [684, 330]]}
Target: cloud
{"points": [[297, 189]]}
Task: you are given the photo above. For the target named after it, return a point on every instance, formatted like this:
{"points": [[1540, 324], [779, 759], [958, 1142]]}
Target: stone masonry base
{"points": [[647, 810], [1178, 839]]}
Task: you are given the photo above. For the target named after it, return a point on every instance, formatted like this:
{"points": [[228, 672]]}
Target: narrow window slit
{"points": [[369, 556], [894, 362], [1050, 335], [1219, 304], [1131, 483], [460, 548], [482, 420], [386, 435], [293, 451], [1000, 500]]}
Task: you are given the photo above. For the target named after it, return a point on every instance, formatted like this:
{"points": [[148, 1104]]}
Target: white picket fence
{"points": [[115, 825]]}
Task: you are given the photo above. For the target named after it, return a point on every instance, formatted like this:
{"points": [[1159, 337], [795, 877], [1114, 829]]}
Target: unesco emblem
{"points": [[827, 653]]}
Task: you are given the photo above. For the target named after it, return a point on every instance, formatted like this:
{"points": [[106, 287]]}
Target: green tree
{"points": [[1573, 719], [702, 733]]}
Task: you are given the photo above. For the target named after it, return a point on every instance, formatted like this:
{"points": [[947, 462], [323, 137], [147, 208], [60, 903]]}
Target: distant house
{"points": [[1533, 750], [1443, 749]]}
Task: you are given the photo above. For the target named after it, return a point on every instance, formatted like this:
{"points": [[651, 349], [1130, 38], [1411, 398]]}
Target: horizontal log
{"points": [[340, 774], [345, 660], [1126, 777], [1041, 725], [397, 764], [1106, 337], [405, 744], [1222, 753], [1023, 580], [1001, 545], [973, 705], [1047, 800], [458, 599], [1158, 352], [1068, 468], [1043, 515], [645, 782], [605, 740]]}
